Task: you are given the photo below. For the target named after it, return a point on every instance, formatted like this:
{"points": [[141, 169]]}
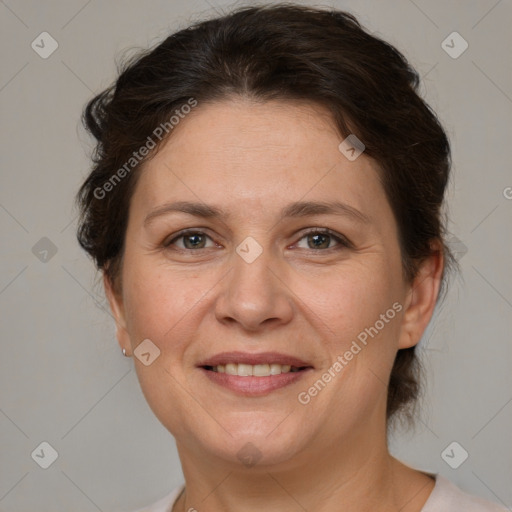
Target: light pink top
{"points": [[445, 497]]}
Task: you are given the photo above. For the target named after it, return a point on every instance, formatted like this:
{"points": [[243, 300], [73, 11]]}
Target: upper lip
{"points": [[253, 359]]}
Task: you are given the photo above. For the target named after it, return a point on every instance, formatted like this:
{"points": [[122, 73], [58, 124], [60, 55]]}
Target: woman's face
{"points": [[256, 281]]}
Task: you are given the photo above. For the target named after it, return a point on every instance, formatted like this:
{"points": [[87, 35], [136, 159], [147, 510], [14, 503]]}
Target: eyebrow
{"points": [[297, 209]]}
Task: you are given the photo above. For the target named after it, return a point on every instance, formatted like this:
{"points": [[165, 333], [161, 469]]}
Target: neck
{"points": [[356, 473]]}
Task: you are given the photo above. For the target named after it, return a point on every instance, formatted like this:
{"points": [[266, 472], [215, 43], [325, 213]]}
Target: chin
{"points": [[255, 440]]}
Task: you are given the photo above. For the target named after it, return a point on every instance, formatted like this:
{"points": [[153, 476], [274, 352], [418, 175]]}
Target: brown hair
{"points": [[281, 51]]}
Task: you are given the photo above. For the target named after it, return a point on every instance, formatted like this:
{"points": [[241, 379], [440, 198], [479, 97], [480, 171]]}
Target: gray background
{"points": [[63, 379]]}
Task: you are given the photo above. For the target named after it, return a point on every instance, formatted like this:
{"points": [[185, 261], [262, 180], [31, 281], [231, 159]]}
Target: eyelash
{"points": [[342, 241]]}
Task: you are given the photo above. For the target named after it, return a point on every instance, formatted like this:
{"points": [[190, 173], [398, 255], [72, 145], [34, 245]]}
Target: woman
{"points": [[266, 209]]}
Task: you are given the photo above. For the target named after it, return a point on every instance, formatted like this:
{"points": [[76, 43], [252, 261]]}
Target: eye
{"points": [[190, 240], [316, 239], [322, 239]]}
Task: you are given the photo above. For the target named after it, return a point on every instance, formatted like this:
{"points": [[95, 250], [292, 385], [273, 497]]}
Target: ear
{"points": [[115, 301], [422, 297]]}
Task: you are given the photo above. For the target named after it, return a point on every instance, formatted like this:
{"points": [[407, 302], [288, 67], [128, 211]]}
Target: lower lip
{"points": [[254, 386]]}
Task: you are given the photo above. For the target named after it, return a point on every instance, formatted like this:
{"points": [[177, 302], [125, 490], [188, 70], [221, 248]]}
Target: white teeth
{"points": [[261, 370], [248, 370], [232, 369], [245, 370], [275, 369]]}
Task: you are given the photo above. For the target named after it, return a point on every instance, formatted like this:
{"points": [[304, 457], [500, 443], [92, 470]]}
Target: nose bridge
{"points": [[253, 292]]}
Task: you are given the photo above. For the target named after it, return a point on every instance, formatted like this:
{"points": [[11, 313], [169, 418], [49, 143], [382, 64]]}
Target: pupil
{"points": [[317, 238], [196, 240]]}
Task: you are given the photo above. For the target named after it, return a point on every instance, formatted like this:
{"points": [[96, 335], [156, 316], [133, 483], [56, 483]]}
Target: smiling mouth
{"points": [[254, 374], [257, 370]]}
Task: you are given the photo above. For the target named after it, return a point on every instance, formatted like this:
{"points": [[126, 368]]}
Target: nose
{"points": [[255, 295]]}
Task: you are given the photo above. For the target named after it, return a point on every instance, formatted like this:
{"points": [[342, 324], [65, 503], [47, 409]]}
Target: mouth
{"points": [[254, 374], [256, 370]]}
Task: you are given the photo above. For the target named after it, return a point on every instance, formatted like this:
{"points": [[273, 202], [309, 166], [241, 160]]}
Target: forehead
{"points": [[240, 153]]}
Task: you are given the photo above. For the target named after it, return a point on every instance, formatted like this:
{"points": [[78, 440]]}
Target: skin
{"points": [[252, 159]]}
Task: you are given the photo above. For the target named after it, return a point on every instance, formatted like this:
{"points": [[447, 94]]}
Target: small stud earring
{"points": [[124, 353]]}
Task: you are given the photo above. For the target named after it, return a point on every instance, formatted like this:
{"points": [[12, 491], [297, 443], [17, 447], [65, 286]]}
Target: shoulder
{"points": [[165, 504], [447, 497]]}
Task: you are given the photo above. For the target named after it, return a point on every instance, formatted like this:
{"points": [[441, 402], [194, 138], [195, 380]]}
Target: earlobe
{"points": [[421, 298], [117, 307]]}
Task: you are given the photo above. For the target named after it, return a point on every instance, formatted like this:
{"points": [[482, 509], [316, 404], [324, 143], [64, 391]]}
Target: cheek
{"points": [[171, 401], [358, 314], [349, 300], [160, 306], [158, 301]]}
